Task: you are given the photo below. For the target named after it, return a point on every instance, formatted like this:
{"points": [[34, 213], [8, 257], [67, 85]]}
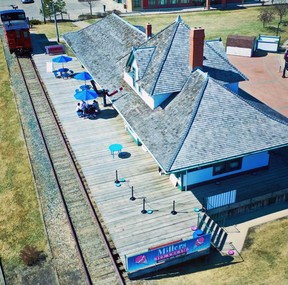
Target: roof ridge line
{"points": [[226, 60], [165, 57], [192, 117], [126, 22]]}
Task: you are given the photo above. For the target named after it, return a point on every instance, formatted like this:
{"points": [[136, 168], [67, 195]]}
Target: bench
{"points": [[56, 49]]}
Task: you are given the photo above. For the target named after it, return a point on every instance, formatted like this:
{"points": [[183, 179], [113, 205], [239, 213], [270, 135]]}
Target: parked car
{"points": [[27, 1]]}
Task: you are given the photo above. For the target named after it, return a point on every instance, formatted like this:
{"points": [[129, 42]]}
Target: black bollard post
{"points": [[286, 63], [117, 180], [173, 212], [132, 198], [284, 71], [143, 210]]}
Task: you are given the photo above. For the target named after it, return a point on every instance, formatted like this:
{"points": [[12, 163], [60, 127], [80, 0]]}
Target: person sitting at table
{"points": [[96, 106], [79, 110], [83, 105]]}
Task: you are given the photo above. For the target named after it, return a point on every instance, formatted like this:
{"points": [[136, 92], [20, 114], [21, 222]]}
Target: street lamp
{"points": [[55, 20], [43, 11]]}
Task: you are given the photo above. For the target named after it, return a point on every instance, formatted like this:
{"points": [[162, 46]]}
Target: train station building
{"points": [[179, 98]]}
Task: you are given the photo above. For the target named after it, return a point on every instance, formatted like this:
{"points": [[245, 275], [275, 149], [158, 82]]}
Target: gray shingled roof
{"points": [[202, 124], [101, 47], [228, 125], [143, 57], [169, 67], [217, 64]]}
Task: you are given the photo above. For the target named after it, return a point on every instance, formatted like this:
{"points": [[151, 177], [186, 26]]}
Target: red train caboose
{"points": [[16, 29]]}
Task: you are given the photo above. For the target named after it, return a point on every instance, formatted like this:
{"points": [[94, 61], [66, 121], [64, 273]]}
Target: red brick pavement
{"points": [[265, 79]]}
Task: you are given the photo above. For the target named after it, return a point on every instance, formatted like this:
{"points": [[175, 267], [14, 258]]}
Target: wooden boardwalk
{"points": [[132, 232]]}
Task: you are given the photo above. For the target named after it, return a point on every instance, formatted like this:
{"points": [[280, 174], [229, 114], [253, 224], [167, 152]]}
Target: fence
{"points": [[250, 204]]}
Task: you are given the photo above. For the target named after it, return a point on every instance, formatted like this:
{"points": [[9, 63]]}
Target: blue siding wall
{"points": [[248, 163]]}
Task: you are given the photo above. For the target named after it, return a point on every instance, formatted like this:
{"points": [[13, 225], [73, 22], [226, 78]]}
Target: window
{"points": [[162, 2], [137, 3], [151, 3], [184, 1], [173, 2], [227, 166]]}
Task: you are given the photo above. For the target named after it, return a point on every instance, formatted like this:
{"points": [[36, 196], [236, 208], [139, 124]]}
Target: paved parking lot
{"points": [[265, 79], [73, 7]]}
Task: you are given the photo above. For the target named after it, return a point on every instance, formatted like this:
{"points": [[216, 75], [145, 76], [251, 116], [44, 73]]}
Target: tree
{"points": [[90, 3], [281, 9], [59, 6], [266, 16]]}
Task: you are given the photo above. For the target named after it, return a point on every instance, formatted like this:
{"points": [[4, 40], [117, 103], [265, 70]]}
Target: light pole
{"points": [[55, 21], [43, 11]]}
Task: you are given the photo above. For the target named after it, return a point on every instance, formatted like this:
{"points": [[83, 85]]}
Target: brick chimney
{"points": [[148, 30], [196, 55]]}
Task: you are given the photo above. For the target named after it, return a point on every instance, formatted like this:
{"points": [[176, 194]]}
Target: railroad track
{"points": [[97, 261]]}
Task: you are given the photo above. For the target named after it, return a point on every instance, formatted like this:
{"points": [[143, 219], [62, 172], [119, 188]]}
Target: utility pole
{"points": [[43, 11], [55, 22]]}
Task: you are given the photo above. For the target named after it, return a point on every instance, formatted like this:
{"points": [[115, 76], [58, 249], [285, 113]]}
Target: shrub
{"points": [[97, 15], [30, 255], [117, 12], [35, 22]]}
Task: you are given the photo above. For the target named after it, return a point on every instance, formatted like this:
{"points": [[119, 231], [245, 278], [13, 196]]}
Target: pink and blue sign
{"points": [[193, 246]]}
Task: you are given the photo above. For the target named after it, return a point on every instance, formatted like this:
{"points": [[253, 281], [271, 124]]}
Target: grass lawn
{"points": [[216, 23], [50, 31], [20, 220]]}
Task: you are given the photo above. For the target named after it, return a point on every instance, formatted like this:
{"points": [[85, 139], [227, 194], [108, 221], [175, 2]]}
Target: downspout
{"points": [[186, 186]]}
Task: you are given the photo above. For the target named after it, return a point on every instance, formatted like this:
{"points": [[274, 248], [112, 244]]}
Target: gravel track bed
{"points": [[61, 241], [91, 245]]}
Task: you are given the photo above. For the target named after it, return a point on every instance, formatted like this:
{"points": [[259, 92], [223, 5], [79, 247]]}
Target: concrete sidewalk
{"points": [[238, 231], [265, 79]]}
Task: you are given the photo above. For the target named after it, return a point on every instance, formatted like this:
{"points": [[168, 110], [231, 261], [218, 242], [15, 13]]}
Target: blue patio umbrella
{"points": [[62, 59], [83, 76], [85, 95]]}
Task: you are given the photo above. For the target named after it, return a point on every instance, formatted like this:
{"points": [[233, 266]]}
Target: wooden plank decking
{"points": [[131, 231]]}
